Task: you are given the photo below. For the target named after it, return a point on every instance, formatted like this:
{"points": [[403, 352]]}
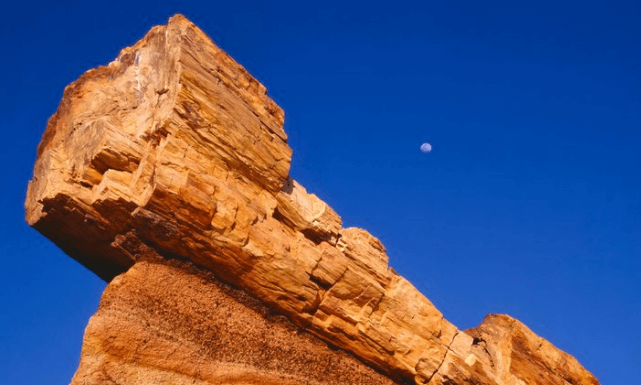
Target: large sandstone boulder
{"points": [[174, 151]]}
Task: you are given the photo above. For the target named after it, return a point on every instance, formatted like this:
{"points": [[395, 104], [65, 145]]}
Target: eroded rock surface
{"points": [[166, 322], [174, 147], [520, 356]]}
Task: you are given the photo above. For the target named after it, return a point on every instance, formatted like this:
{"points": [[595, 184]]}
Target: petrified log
{"points": [[173, 150], [167, 322]]}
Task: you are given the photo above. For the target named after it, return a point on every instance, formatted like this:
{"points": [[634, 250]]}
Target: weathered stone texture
{"points": [[517, 354], [175, 147], [166, 322]]}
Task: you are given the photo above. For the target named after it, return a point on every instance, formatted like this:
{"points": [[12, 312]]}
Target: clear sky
{"points": [[529, 203]]}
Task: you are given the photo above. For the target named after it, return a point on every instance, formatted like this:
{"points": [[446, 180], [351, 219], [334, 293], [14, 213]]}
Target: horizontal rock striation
{"points": [[174, 147], [166, 322]]}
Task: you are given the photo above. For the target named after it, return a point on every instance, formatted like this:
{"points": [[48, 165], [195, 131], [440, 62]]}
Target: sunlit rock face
{"points": [[174, 154], [167, 322]]}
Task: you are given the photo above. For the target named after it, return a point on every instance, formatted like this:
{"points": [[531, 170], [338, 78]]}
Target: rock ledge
{"points": [[174, 150]]}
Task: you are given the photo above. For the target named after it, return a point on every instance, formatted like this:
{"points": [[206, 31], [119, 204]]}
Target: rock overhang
{"points": [[175, 147]]}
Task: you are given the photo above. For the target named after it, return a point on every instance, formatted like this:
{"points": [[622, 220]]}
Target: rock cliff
{"points": [[166, 173]]}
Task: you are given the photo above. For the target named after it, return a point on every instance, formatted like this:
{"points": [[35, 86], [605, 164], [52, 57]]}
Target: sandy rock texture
{"points": [[173, 147], [167, 322]]}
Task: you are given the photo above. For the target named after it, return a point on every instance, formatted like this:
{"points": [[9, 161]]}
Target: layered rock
{"points": [[175, 148], [166, 322]]}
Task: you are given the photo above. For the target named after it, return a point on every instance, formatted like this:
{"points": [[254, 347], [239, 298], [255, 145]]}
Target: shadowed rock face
{"points": [[174, 150]]}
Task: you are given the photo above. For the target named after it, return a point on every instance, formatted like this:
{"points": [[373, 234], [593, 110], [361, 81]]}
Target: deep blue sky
{"points": [[529, 204]]}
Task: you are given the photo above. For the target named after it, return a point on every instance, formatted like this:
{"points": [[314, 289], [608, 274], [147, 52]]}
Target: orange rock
{"points": [[520, 356], [174, 147], [165, 322]]}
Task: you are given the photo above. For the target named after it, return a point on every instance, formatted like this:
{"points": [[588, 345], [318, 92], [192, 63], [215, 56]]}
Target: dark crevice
{"points": [[323, 285], [280, 217], [447, 350], [315, 236]]}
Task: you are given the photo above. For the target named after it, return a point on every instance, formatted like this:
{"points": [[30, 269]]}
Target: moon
{"points": [[426, 147]]}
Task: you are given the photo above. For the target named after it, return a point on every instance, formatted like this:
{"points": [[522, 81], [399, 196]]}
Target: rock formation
{"points": [[166, 173]]}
